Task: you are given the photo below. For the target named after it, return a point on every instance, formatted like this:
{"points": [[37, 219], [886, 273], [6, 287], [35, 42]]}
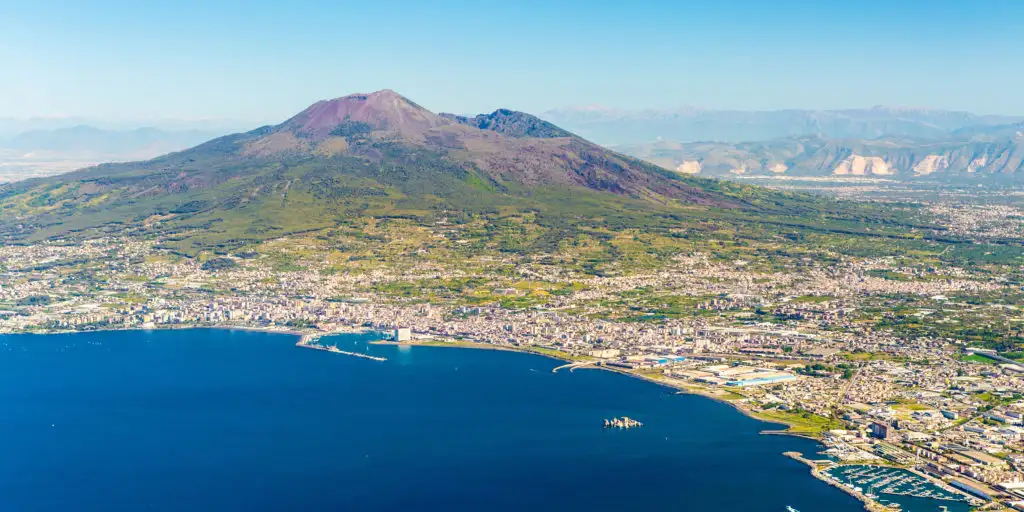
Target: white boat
{"points": [[791, 509]]}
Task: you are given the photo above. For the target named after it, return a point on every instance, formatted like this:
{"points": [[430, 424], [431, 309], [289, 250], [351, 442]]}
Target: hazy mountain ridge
{"points": [[621, 127], [54, 150], [10, 127], [84, 140], [994, 132]]}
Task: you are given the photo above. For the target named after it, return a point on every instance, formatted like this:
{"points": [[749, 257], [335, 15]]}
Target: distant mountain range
{"points": [[81, 142], [619, 127], [57, 148], [9, 127], [382, 155], [894, 143], [899, 144]]}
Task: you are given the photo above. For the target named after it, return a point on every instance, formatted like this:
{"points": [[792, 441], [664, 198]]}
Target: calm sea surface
{"points": [[214, 420]]}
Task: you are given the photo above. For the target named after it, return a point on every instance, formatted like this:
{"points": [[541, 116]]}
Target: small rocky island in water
{"points": [[623, 422]]}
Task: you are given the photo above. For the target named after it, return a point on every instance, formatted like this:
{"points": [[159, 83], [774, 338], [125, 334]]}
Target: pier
{"points": [[573, 366]]}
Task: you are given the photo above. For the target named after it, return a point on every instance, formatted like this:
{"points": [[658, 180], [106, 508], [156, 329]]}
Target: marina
{"points": [[897, 488]]}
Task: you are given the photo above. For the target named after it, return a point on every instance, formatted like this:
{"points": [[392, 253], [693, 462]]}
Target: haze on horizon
{"points": [[263, 61]]}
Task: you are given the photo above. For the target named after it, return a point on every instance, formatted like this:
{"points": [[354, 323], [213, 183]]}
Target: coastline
{"points": [[869, 504], [271, 330], [686, 390], [165, 327], [473, 345], [171, 339], [227, 327], [312, 334], [309, 334]]}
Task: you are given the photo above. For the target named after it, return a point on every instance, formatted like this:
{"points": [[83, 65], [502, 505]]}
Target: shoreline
{"points": [[869, 504], [473, 345], [165, 327], [306, 335], [470, 345], [227, 327], [271, 330], [684, 390]]}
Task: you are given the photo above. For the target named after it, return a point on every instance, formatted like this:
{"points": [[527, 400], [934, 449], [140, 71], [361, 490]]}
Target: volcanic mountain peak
{"points": [[381, 110], [512, 124], [370, 155]]}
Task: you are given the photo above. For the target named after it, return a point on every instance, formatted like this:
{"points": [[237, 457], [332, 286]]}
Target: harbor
{"points": [[899, 488], [312, 341], [883, 488]]}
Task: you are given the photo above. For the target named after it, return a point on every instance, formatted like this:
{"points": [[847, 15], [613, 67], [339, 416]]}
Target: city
{"points": [[821, 348], [738, 256]]}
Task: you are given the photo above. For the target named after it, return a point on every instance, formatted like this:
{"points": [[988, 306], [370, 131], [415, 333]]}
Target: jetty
{"points": [[623, 422], [310, 341], [573, 366]]}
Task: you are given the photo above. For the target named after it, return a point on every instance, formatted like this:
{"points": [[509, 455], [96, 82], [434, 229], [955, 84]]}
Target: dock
{"points": [[573, 366]]}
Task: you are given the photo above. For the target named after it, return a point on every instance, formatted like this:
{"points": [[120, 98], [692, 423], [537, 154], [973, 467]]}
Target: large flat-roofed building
{"points": [[403, 334], [983, 459], [761, 381], [605, 353], [973, 488], [739, 376]]}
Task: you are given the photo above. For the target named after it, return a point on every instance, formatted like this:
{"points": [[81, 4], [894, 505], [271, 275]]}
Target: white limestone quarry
{"points": [[689, 167], [863, 165], [930, 164], [977, 163]]}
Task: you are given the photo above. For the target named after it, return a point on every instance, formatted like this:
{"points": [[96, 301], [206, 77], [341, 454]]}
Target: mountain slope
{"points": [[380, 155]]}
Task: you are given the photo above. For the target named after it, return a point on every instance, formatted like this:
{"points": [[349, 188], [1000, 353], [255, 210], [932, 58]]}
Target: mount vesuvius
{"points": [[382, 155]]}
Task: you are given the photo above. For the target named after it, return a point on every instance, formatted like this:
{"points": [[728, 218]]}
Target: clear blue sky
{"points": [[264, 60]]}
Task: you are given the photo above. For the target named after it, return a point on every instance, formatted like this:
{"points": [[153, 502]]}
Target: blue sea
{"points": [[217, 420]]}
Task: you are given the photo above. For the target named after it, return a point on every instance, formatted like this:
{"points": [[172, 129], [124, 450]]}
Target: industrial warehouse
{"points": [[738, 376]]}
